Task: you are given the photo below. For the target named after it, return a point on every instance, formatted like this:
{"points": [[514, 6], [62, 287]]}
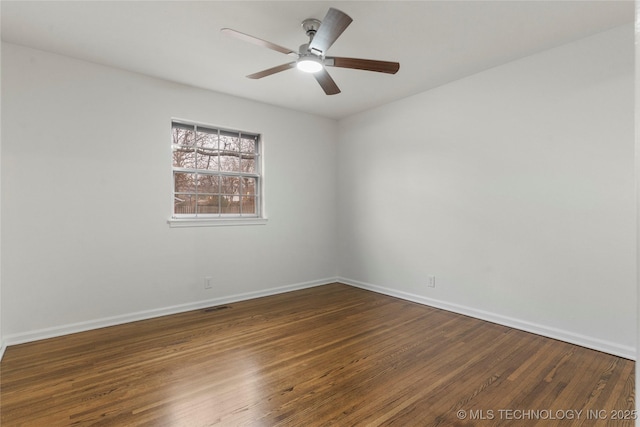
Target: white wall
{"points": [[2, 344], [637, 165], [514, 187], [86, 193]]}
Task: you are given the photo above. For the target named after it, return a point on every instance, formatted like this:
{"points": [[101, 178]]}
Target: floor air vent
{"points": [[218, 308]]}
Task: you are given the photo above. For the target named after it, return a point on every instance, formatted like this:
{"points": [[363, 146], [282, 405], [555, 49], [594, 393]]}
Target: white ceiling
{"points": [[435, 41]]}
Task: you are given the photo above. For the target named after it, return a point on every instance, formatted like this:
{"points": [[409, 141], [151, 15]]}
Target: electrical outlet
{"points": [[431, 282], [207, 282]]}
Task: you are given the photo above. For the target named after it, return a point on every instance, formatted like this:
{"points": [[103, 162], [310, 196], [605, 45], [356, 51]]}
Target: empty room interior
{"points": [[435, 224]]}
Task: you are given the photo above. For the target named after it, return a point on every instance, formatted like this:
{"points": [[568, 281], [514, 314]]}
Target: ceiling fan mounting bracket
{"points": [[310, 27]]}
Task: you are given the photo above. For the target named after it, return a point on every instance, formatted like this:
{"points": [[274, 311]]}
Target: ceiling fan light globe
{"points": [[309, 65]]}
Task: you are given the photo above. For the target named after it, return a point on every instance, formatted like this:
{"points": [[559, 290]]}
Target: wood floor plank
{"points": [[330, 355]]}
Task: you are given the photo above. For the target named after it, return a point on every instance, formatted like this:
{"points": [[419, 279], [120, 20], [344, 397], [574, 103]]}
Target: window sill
{"points": [[218, 222]]}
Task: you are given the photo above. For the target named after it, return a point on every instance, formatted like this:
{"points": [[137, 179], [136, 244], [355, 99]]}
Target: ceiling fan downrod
{"points": [[309, 60], [310, 27]]}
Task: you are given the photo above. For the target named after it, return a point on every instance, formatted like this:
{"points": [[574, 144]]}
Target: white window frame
{"points": [[219, 219]]}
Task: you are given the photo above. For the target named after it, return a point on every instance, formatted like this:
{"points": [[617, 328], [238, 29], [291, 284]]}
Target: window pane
{"points": [[249, 186], [229, 163], [248, 164], [208, 159], [182, 136], [184, 157], [230, 185], [208, 184], [248, 145], [184, 182], [248, 205], [231, 205], [184, 204], [229, 143], [208, 204], [207, 138]]}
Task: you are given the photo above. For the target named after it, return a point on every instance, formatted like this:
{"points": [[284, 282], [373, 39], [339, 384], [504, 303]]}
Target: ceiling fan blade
{"points": [[333, 24], [257, 41], [326, 82], [363, 64], [270, 71]]}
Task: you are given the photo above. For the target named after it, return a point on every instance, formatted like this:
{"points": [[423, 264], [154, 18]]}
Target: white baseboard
{"points": [[582, 340], [73, 328], [562, 335]]}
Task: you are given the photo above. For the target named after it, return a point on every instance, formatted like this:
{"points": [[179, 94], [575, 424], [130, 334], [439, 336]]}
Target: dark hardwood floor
{"points": [[330, 355]]}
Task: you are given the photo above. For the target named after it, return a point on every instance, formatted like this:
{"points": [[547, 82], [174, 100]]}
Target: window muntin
{"points": [[216, 172]]}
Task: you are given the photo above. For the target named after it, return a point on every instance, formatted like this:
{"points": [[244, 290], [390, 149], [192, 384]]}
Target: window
{"points": [[216, 174]]}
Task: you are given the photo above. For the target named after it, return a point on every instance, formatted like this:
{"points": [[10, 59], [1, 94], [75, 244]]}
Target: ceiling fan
{"points": [[311, 57]]}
